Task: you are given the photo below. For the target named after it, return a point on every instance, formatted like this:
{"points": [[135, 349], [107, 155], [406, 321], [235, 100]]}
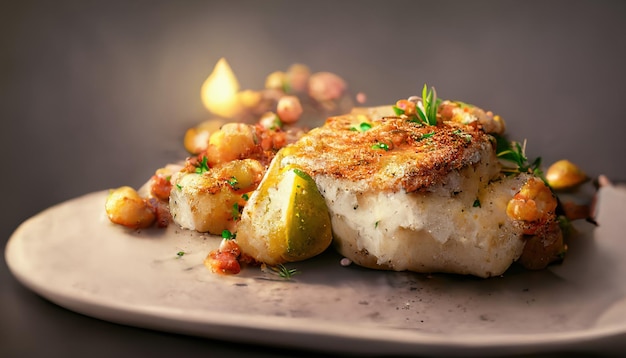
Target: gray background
{"points": [[97, 94]]}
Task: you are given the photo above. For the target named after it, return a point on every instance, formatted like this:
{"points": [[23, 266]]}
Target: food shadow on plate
{"points": [[567, 296]]}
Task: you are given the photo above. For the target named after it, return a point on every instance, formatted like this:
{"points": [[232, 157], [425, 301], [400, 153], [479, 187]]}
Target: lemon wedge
{"points": [[286, 219]]}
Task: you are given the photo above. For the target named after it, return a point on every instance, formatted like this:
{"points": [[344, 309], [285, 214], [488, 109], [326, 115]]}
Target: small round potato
{"points": [[232, 141], [125, 207], [565, 175]]}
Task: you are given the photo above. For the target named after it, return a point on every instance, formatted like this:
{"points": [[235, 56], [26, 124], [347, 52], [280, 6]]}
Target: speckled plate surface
{"points": [[72, 255]]}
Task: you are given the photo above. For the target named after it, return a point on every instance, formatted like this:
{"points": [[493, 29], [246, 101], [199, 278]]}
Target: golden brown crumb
{"points": [[390, 153]]}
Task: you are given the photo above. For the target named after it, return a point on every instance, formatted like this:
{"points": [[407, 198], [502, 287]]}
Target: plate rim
{"points": [[372, 340]]}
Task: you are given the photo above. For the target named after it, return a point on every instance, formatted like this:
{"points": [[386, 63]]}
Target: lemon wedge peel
{"points": [[286, 219]]}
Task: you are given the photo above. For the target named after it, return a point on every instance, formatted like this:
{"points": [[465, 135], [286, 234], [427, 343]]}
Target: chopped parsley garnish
{"points": [[382, 146], [235, 211], [227, 235], [270, 121], [179, 187], [233, 182], [476, 203], [426, 135], [180, 253], [245, 196], [363, 127], [466, 136], [203, 166]]}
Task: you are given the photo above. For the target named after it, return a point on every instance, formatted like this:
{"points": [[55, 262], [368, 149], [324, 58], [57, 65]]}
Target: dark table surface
{"points": [[97, 94]]}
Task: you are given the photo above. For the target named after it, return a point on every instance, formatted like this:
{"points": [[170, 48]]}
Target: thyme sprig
{"points": [[284, 272], [514, 154]]}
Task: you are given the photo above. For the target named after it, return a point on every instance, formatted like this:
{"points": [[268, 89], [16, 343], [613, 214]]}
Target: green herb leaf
{"points": [[476, 203], [203, 166], [514, 154], [233, 182], [432, 106], [427, 135], [179, 187], [466, 136], [227, 235], [382, 146], [427, 111], [398, 111], [180, 253], [363, 127], [245, 196], [302, 174], [235, 212]]}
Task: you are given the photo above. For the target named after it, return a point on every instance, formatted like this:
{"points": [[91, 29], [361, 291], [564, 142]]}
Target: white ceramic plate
{"points": [[72, 255]]}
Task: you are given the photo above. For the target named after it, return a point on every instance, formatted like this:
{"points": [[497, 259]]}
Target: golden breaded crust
{"points": [[390, 153]]}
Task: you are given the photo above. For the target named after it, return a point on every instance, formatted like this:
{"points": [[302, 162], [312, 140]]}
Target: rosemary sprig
{"points": [[426, 109]]}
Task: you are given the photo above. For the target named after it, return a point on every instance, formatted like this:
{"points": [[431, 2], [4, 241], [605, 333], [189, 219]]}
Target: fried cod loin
{"points": [[408, 196]]}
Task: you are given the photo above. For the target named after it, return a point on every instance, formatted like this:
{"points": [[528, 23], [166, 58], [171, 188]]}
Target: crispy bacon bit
{"points": [[271, 139], [193, 162], [230, 246], [224, 259], [161, 211], [160, 186], [222, 262], [228, 258]]}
